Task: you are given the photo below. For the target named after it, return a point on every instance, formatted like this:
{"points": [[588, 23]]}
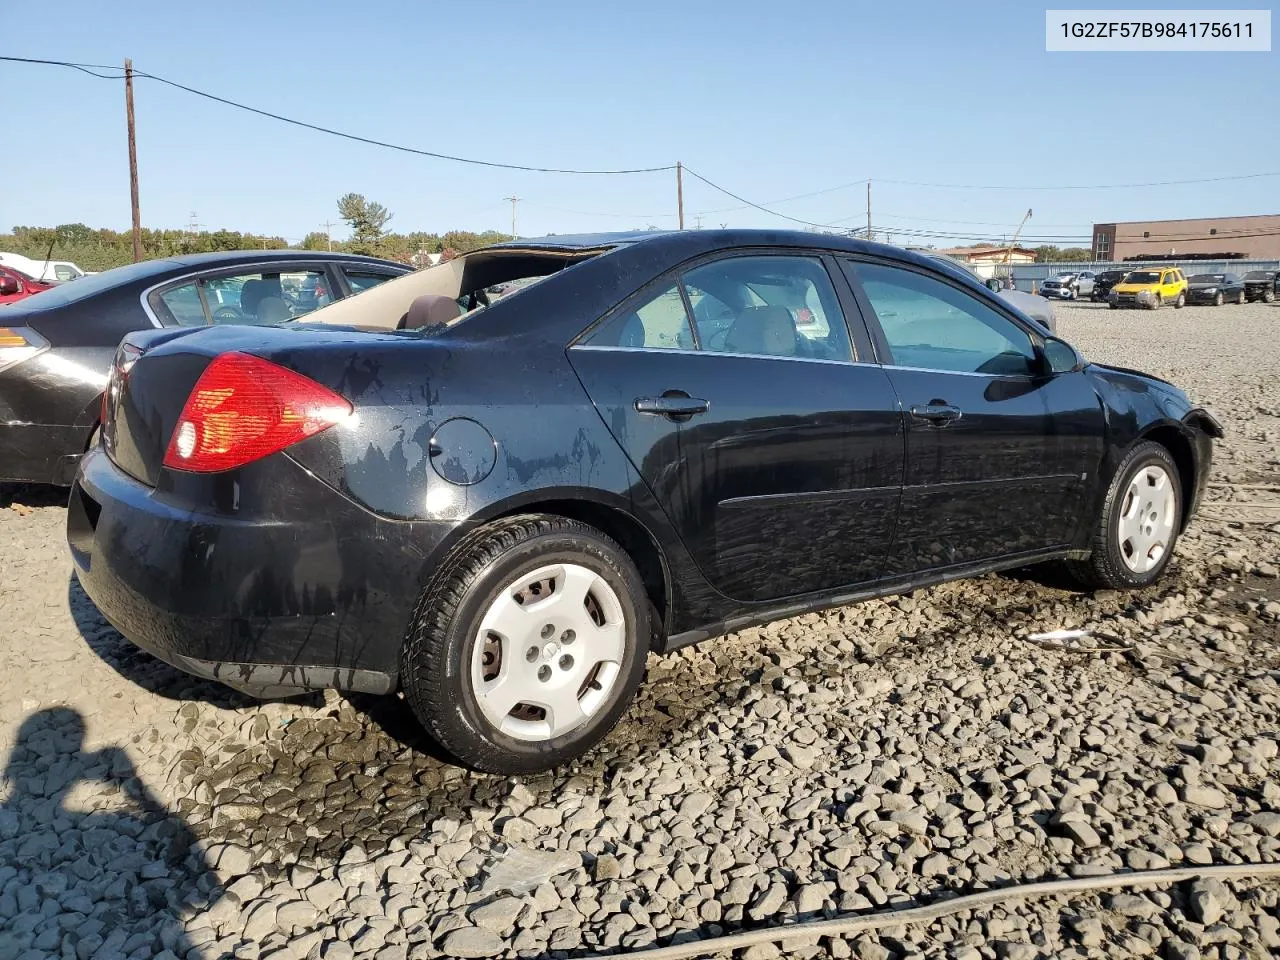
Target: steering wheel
{"points": [[227, 315], [711, 342]]}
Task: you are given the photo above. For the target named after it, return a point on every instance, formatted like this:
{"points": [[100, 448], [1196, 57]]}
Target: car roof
{"points": [[232, 257], [705, 240]]}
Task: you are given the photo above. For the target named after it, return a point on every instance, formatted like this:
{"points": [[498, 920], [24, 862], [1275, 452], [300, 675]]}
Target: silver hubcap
{"points": [[1146, 519], [548, 652]]}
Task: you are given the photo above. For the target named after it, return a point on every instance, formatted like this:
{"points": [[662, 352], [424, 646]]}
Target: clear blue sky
{"points": [[768, 99]]}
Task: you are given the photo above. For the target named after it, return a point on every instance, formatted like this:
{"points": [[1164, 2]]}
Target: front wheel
{"points": [[528, 645], [1135, 534], [1157, 303], [1218, 300]]}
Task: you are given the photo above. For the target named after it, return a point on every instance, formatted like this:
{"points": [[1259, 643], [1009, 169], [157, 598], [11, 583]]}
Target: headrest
{"points": [[431, 310]]}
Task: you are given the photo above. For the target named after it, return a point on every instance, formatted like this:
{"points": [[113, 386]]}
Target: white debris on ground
{"points": [[869, 757]]}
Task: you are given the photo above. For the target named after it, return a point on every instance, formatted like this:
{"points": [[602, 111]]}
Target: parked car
{"points": [[1102, 284], [16, 285], [1215, 288], [1033, 306], [46, 271], [1150, 288], [57, 349], [1068, 286], [501, 513], [1262, 285]]}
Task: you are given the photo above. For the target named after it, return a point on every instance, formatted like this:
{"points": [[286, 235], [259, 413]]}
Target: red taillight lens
{"points": [[244, 408]]}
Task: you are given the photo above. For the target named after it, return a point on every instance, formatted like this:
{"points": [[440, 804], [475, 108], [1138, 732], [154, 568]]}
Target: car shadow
{"points": [[149, 672], [32, 495], [130, 865]]}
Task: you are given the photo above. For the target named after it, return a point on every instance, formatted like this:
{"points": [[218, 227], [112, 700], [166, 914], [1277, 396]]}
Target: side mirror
{"points": [[994, 284], [9, 285], [1058, 356]]}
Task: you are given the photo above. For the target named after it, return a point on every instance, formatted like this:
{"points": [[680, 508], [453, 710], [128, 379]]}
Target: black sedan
{"points": [[1215, 288], [1262, 285], [56, 347], [1103, 282], [667, 438]]}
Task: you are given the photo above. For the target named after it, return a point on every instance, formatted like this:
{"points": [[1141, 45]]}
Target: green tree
{"points": [[367, 219]]}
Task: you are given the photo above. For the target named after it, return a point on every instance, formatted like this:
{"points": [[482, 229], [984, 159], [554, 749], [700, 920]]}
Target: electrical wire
{"points": [[844, 926], [763, 209], [1082, 186], [350, 136]]}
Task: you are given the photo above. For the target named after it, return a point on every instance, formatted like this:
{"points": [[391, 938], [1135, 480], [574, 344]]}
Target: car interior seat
{"points": [[430, 310], [769, 331]]}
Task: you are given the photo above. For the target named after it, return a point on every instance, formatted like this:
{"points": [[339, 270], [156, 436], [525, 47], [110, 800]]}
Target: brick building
{"points": [[1255, 238]]}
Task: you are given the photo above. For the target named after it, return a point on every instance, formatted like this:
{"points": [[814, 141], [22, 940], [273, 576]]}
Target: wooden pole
{"points": [[133, 161], [680, 194]]}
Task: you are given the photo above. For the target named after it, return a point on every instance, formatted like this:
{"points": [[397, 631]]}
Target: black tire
{"points": [[435, 661], [1218, 300], [1180, 302], [1157, 303], [1114, 306], [1240, 298], [1268, 296], [1105, 568]]}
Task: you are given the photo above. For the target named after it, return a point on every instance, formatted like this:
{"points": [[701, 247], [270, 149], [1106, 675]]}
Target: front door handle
{"points": [[675, 405], [937, 414]]}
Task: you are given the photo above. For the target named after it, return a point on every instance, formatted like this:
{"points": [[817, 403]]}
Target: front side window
{"points": [[359, 282], [932, 325], [768, 306], [63, 272]]}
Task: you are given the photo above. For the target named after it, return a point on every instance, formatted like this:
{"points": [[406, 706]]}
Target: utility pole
{"points": [[514, 201], [328, 233], [679, 195], [870, 235], [697, 221], [133, 161]]}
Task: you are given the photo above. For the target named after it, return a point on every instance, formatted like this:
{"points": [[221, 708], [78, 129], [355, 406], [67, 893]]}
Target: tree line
{"points": [[103, 248]]}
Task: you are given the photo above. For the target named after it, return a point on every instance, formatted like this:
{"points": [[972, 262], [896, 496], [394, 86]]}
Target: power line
{"points": [[1089, 186], [348, 136], [762, 209]]}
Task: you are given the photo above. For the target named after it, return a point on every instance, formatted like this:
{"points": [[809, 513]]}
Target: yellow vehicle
{"points": [[1150, 288]]}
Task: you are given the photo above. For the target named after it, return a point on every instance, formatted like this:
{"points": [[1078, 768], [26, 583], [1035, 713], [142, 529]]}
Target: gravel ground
{"points": [[878, 755]]}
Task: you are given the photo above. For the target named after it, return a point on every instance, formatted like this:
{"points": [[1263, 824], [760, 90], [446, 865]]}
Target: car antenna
{"points": [[44, 271]]}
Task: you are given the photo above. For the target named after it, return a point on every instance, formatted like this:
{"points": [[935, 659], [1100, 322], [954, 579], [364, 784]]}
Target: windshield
{"points": [[1206, 278], [1143, 276], [1258, 275], [93, 284]]}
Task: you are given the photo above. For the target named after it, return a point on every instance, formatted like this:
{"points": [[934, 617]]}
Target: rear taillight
{"points": [[244, 408], [127, 355], [18, 344]]}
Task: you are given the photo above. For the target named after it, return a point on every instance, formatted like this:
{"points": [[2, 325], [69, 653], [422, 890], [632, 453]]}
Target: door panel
{"points": [[788, 483], [1007, 477]]}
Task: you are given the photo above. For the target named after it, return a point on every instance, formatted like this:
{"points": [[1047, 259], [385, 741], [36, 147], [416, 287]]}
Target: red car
{"points": [[16, 285]]}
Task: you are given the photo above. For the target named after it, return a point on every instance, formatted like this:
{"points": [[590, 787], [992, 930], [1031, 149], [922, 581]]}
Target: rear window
{"points": [[93, 284]]}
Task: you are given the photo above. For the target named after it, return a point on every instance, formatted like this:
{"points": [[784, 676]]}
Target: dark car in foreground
{"points": [[56, 347], [1262, 285], [501, 513], [1215, 288], [1103, 282]]}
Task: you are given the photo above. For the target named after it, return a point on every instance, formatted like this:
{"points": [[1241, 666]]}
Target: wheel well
{"points": [[1179, 447], [630, 535]]}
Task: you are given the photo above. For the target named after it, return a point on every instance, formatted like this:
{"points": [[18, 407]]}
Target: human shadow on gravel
{"points": [[149, 672], [106, 876]]}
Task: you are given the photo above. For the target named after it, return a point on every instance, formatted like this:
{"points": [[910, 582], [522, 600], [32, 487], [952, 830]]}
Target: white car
{"points": [[1068, 286], [50, 271]]}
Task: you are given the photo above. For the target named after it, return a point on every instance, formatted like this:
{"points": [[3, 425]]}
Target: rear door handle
{"points": [[937, 414], [675, 405]]}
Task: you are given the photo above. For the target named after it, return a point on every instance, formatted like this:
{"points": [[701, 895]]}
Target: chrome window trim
{"points": [[717, 353], [229, 269]]}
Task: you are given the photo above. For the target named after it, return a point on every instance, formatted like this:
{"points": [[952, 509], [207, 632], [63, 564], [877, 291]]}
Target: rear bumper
{"points": [[314, 592]]}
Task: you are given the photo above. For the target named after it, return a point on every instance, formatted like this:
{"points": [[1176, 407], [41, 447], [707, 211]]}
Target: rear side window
{"points": [[658, 322], [184, 306], [764, 306]]}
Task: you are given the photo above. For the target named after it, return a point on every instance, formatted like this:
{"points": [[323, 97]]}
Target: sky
{"points": [[769, 100]]}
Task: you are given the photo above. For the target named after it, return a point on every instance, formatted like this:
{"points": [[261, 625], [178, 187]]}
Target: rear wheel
{"points": [[1180, 302], [1240, 298], [1139, 523], [528, 645]]}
